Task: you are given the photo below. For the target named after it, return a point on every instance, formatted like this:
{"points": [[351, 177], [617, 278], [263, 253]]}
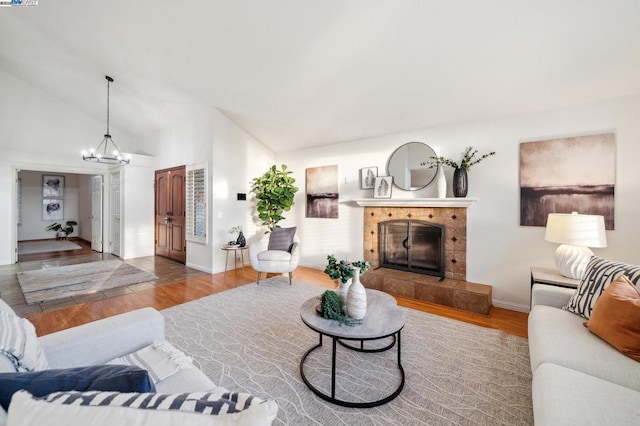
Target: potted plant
{"points": [[460, 180], [274, 191], [240, 240], [62, 231], [343, 271]]}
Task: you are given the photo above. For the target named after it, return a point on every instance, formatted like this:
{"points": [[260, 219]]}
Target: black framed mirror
{"points": [[404, 166]]}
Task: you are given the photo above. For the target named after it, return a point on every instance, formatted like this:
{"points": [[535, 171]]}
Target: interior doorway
{"points": [[170, 214]]}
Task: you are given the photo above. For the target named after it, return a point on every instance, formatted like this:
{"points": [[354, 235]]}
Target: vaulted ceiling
{"points": [[297, 73]]}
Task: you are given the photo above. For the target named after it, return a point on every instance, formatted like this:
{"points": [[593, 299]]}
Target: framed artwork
{"points": [[565, 175], [368, 177], [52, 186], [52, 209], [382, 187], [322, 192]]}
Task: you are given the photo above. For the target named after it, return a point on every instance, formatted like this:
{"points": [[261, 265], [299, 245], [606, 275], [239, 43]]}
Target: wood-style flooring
{"points": [[180, 284]]}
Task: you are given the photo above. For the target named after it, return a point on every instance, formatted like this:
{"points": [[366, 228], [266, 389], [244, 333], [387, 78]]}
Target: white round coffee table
{"points": [[384, 319]]}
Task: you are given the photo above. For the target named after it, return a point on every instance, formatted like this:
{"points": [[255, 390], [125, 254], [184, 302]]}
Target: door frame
{"points": [[16, 167]]}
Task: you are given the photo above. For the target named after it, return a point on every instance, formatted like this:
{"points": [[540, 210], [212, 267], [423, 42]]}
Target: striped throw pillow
{"points": [[597, 277], [20, 344]]}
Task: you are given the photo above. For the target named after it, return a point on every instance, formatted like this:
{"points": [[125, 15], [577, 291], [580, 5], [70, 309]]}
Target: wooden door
{"points": [[170, 213]]}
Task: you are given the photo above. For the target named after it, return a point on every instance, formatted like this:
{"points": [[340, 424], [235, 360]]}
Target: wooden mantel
{"points": [[415, 202]]}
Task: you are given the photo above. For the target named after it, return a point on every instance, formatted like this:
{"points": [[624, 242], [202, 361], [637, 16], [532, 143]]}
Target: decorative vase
{"points": [[241, 241], [356, 297], [460, 182], [342, 290], [441, 183]]}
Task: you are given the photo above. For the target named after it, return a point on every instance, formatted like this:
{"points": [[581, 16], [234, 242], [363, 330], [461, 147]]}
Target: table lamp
{"points": [[576, 233]]}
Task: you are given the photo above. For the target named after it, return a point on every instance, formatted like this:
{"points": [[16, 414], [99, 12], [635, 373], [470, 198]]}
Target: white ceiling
{"points": [[298, 73]]}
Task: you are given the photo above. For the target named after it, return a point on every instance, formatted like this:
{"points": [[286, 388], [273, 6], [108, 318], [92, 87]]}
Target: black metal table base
{"points": [[332, 398]]}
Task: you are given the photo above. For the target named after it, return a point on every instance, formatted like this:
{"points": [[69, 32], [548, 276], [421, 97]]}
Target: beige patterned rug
{"points": [[252, 339], [74, 280]]}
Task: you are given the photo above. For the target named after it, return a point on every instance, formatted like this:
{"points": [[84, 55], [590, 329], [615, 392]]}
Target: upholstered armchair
{"points": [[278, 254]]}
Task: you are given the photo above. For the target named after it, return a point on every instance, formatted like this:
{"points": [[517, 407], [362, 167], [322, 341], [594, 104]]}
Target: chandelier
{"points": [[103, 153]]}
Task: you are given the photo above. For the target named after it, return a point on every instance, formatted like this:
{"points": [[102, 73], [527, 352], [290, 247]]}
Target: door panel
{"points": [[115, 213], [96, 213], [170, 213]]}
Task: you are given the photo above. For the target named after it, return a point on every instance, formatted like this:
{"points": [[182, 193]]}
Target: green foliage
{"points": [[468, 159], [274, 191], [67, 228], [343, 270], [331, 309]]}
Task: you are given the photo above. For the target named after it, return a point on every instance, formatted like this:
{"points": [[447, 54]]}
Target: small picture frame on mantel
{"points": [[368, 177], [382, 187]]}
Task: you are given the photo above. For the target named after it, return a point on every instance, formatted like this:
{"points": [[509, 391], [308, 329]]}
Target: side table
{"points": [[235, 251], [550, 277]]}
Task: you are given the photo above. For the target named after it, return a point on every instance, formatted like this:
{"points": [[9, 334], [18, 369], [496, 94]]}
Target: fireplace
{"points": [[412, 245]]}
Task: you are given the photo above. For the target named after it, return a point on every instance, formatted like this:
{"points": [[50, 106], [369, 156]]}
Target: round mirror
{"points": [[404, 166]]}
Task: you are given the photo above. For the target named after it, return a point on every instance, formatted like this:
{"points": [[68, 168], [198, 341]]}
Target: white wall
{"points": [[237, 159], [138, 231], [500, 251]]}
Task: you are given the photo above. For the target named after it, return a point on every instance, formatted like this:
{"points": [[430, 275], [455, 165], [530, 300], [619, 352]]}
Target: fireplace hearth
{"points": [[413, 246]]}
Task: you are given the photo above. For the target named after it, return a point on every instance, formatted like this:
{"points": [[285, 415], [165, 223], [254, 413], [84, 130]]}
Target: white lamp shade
{"points": [[576, 229]]}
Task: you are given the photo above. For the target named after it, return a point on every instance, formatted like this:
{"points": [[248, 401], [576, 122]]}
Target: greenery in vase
{"points": [[331, 309], [67, 228], [468, 159], [343, 270], [274, 191]]}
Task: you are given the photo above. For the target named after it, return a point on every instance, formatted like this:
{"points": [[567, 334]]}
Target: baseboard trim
{"points": [[200, 268], [511, 306]]}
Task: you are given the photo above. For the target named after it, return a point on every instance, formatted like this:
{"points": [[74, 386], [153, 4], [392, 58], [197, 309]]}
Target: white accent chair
{"points": [[276, 261]]}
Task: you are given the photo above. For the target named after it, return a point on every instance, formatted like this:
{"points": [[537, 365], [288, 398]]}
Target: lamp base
{"points": [[572, 260]]}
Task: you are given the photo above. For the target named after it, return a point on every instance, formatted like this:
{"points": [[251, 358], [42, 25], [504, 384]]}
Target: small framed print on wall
{"points": [[52, 186], [382, 187], [368, 177], [52, 209]]}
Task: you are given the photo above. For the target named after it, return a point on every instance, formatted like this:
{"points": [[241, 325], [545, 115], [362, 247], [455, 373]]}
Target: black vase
{"points": [[241, 241], [460, 182]]}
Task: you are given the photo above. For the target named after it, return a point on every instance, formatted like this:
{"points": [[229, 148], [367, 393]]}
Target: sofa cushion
{"points": [[121, 378], [598, 275], [616, 317], [281, 238], [562, 396], [19, 343], [274, 256], [109, 408], [559, 337]]}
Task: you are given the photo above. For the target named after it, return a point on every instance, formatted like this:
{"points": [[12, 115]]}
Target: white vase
{"points": [[441, 183], [357, 297], [342, 289]]}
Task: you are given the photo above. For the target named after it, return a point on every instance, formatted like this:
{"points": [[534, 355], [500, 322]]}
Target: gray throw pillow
{"points": [[282, 238]]}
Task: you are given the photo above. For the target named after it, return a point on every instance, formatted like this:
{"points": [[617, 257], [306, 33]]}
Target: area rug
{"points": [[252, 339], [75, 280], [29, 247]]}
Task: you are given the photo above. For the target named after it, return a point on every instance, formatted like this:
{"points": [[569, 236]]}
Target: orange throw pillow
{"points": [[616, 317]]}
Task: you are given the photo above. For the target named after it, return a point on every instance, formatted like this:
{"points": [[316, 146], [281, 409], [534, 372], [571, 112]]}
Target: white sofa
{"points": [[101, 341], [578, 379]]}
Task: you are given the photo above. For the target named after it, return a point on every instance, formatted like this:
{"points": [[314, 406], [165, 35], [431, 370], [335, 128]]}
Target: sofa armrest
{"points": [[103, 340], [550, 295]]}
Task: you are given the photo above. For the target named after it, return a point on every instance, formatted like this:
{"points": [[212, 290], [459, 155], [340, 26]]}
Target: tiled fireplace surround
{"points": [[454, 291]]}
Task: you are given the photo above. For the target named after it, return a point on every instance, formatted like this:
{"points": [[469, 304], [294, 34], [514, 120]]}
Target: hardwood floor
{"points": [[180, 284]]}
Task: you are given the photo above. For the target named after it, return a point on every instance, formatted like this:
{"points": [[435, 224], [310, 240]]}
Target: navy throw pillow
{"points": [[118, 378]]}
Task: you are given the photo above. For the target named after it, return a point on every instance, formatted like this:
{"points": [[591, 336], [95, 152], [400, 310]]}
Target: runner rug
{"points": [[29, 247], [75, 280], [251, 339]]}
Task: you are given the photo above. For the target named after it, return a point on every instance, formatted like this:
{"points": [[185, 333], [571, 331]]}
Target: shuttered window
{"points": [[196, 189]]}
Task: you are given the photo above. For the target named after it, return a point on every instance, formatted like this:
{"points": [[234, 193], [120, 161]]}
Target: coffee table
{"points": [[384, 319]]}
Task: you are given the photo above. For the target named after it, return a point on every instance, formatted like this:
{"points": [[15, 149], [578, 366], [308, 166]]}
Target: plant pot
{"points": [[342, 290], [241, 241], [357, 297], [460, 182]]}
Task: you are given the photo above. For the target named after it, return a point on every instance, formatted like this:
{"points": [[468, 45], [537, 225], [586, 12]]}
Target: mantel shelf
{"points": [[415, 202]]}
